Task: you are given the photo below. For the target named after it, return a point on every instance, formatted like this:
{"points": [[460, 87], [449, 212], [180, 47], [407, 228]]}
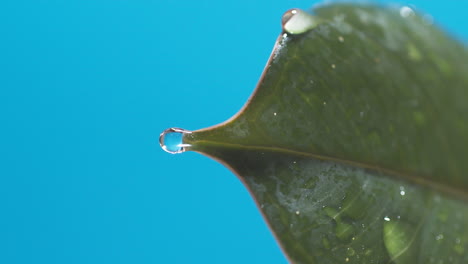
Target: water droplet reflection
{"points": [[402, 191], [297, 21], [287, 16], [406, 11], [428, 19], [171, 140]]}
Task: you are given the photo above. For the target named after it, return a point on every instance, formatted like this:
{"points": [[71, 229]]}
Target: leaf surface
{"points": [[354, 144]]}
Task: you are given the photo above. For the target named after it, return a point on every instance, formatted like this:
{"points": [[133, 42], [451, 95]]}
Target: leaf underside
{"points": [[354, 143]]}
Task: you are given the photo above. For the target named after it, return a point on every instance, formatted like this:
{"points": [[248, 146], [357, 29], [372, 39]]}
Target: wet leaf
{"points": [[354, 144]]}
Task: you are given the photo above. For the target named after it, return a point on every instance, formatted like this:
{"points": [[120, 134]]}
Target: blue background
{"points": [[85, 89]]}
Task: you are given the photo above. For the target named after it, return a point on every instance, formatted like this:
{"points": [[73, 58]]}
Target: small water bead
{"points": [[428, 19], [406, 11], [297, 21], [402, 191], [171, 140]]}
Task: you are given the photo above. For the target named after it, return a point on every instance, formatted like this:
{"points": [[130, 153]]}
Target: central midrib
{"points": [[411, 177]]}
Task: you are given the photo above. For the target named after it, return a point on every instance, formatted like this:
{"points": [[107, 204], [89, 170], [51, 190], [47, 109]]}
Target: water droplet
{"points": [[171, 140], [406, 11], [297, 212], [274, 114], [287, 16], [297, 21], [428, 19], [386, 218]]}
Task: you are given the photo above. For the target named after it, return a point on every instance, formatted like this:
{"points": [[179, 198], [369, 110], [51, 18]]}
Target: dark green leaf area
{"points": [[324, 212], [366, 86], [354, 144]]}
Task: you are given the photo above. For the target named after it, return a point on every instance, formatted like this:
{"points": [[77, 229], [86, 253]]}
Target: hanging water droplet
{"points": [[171, 140], [297, 21]]}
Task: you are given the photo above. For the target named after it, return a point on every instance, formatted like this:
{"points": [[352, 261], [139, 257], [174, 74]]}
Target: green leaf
{"points": [[354, 144]]}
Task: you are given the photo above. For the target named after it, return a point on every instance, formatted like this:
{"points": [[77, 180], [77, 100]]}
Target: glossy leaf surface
{"points": [[354, 144]]}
